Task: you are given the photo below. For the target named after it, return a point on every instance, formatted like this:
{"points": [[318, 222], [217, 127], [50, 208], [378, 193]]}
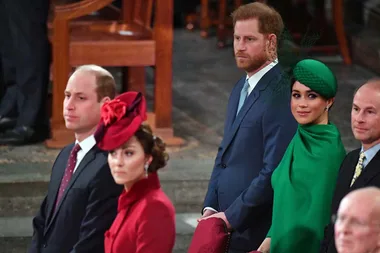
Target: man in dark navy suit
{"points": [[81, 203], [258, 129]]}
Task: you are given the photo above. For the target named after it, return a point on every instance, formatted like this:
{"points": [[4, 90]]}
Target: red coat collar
{"points": [[139, 190]]}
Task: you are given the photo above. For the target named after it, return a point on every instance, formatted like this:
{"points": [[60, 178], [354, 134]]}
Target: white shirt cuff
{"points": [[209, 208]]}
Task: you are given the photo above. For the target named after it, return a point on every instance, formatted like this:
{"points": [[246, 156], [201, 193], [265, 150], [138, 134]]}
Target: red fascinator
{"points": [[120, 119]]}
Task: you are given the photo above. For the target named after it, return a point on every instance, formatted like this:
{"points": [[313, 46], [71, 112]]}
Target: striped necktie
{"points": [[358, 168], [243, 95]]}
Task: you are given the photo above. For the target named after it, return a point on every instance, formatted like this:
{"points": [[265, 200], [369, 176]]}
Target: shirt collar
{"points": [[255, 78], [370, 153], [87, 144]]}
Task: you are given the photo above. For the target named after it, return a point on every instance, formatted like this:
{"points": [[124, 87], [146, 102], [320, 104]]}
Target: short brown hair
{"points": [[105, 83], [270, 20], [153, 146]]}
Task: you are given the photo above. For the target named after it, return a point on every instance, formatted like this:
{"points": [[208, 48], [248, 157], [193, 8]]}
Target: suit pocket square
{"points": [[210, 236]]}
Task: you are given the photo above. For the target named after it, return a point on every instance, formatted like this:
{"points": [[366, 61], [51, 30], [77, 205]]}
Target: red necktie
{"points": [[68, 172]]}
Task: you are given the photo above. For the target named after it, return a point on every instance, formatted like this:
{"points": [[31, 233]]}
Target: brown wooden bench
{"points": [[130, 41]]}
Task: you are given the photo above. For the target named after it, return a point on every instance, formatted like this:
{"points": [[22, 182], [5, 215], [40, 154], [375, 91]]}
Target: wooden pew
{"points": [[131, 42]]}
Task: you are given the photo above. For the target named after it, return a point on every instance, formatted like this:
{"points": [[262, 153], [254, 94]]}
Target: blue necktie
{"points": [[243, 96]]}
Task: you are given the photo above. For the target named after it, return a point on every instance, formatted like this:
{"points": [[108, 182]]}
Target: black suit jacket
{"points": [[87, 209], [369, 177]]}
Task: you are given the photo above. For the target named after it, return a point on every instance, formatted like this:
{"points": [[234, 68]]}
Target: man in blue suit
{"points": [[258, 129]]}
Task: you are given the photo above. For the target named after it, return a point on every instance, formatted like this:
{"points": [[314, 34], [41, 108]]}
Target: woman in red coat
{"points": [[145, 222]]}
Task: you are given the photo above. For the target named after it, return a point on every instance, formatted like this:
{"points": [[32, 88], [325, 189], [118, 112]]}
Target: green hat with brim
{"points": [[317, 76]]}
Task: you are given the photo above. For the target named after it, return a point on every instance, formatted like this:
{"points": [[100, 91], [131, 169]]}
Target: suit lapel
{"points": [[90, 156], [119, 220], [370, 171], [234, 104], [250, 101], [56, 180]]}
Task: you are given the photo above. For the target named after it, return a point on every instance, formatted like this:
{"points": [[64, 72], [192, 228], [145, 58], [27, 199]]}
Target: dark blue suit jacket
{"points": [[87, 209], [253, 144]]}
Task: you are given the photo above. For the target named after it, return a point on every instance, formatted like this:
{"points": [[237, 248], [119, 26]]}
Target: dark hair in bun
{"points": [[153, 146]]}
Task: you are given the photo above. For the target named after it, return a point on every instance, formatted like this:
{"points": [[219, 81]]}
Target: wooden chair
{"points": [[207, 20], [130, 42], [224, 22], [338, 18]]}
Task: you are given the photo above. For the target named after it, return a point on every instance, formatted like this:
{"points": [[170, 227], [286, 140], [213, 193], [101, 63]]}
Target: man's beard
{"points": [[250, 64]]}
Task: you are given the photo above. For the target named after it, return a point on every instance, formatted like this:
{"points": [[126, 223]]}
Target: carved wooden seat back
{"points": [[138, 11], [128, 41]]}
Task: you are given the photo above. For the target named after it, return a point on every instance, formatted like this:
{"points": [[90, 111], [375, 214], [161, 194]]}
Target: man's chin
{"points": [[242, 66], [344, 248], [70, 126], [249, 67]]}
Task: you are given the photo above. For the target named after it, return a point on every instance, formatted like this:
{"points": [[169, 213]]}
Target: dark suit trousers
{"points": [[236, 251], [25, 57]]}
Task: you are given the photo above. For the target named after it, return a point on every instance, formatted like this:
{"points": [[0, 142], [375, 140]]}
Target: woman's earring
{"points": [[146, 166], [326, 108]]}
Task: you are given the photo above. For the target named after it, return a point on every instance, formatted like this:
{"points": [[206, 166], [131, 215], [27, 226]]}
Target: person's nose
{"points": [[240, 45], [118, 160], [69, 104], [359, 117], [302, 103], [342, 227]]}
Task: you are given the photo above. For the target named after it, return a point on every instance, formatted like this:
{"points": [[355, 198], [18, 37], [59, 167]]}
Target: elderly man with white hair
{"points": [[357, 223]]}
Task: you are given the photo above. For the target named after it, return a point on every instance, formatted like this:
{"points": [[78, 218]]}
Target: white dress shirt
{"points": [[252, 82], [255, 78], [85, 145]]}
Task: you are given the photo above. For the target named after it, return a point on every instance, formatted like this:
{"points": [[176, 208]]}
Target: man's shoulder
{"points": [[280, 82], [65, 150], [350, 159], [68, 146], [353, 153], [279, 93], [99, 155], [241, 80]]}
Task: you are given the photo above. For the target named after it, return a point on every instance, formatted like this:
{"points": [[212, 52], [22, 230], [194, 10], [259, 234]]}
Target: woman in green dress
{"points": [[304, 181]]}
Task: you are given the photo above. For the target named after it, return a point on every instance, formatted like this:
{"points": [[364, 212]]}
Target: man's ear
{"points": [[272, 41], [271, 46]]}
